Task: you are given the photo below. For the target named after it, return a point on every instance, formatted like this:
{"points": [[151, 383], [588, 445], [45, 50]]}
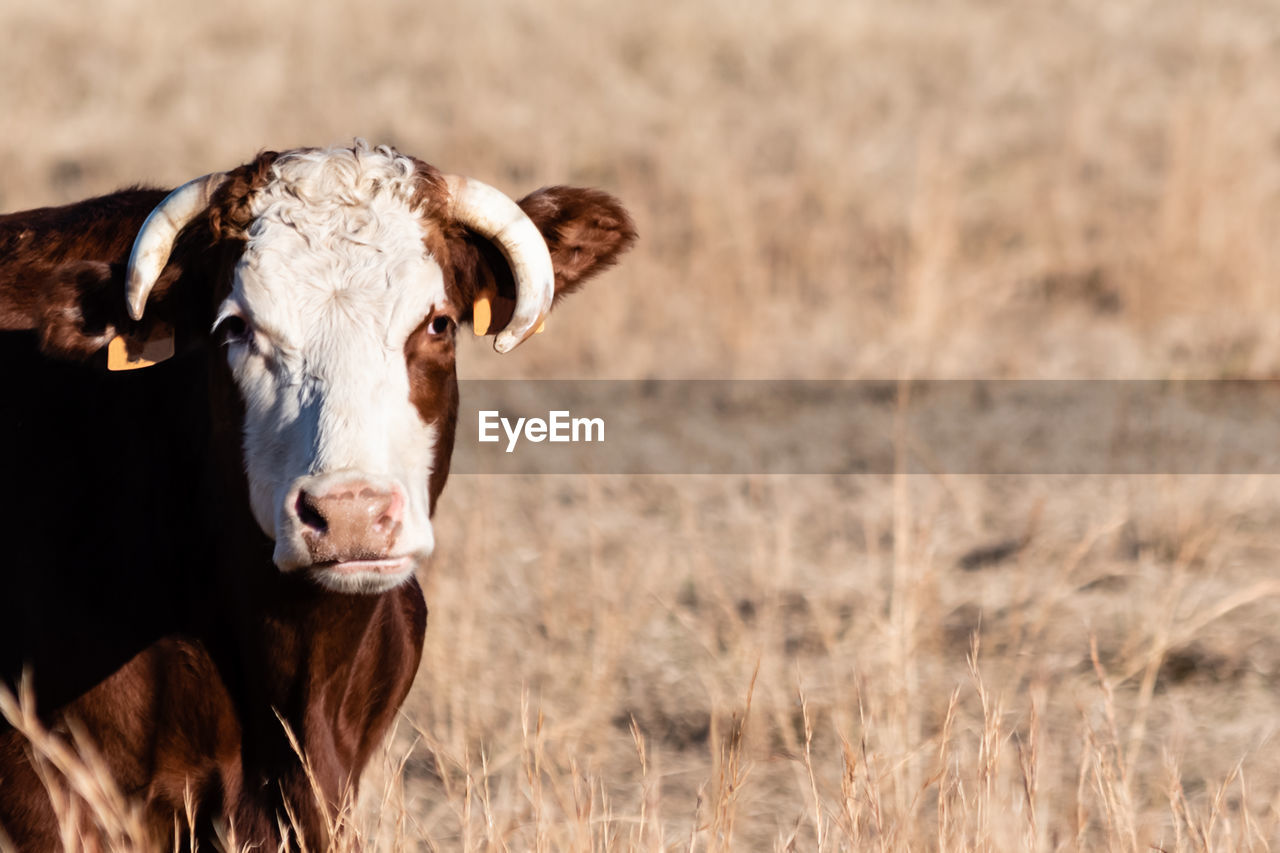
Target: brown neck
{"points": [[335, 667]]}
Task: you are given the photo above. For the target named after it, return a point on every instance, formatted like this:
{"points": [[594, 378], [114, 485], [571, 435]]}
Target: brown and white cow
{"points": [[232, 534]]}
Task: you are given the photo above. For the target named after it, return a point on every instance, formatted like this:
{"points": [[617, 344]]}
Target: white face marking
{"points": [[333, 280]]}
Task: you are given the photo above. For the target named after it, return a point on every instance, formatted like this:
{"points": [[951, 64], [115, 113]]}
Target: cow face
{"points": [[334, 280], [338, 326]]}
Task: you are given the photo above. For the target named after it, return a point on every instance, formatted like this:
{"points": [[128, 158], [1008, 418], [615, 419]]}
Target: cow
{"points": [[209, 555]]}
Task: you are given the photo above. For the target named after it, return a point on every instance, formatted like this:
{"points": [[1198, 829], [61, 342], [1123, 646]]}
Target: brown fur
{"points": [[139, 590]]}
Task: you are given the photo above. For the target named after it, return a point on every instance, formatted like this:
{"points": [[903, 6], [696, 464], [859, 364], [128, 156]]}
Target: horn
{"points": [[495, 216], [154, 242]]}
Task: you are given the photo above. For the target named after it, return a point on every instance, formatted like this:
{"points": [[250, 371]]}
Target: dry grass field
{"points": [[824, 189]]}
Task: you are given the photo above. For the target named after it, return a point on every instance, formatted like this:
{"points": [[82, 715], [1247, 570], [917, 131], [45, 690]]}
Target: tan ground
{"points": [[824, 189]]}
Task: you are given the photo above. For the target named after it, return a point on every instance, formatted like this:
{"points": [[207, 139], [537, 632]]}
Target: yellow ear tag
{"points": [[481, 313], [542, 327], [154, 350]]}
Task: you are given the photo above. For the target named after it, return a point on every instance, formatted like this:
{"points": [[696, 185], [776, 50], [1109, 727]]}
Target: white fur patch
{"points": [[333, 280]]}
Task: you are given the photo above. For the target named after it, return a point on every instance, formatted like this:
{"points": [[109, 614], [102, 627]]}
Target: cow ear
{"points": [[63, 278], [74, 306], [586, 231], [81, 312], [77, 310]]}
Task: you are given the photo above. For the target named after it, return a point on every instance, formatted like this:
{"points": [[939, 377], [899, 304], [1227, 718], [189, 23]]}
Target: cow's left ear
{"points": [[586, 231]]}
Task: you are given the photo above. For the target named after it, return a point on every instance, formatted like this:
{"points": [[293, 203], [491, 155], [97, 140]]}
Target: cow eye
{"points": [[441, 324], [231, 329]]}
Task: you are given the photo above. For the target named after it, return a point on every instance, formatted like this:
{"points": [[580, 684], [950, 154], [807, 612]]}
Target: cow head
{"points": [[338, 318]]}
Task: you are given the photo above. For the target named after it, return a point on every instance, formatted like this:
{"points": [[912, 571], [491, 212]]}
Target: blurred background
{"points": [[823, 189]]}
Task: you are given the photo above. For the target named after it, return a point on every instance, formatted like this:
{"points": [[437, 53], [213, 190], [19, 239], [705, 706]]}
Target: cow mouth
{"points": [[388, 566]]}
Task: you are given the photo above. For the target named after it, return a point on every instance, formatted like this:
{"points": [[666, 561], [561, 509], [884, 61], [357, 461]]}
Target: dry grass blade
{"points": [[92, 811], [819, 822]]}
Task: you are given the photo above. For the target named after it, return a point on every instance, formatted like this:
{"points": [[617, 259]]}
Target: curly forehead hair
{"points": [[326, 180]]}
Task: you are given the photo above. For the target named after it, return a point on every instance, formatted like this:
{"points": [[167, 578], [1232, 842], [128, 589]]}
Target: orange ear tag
{"points": [[542, 327], [157, 348], [481, 313]]}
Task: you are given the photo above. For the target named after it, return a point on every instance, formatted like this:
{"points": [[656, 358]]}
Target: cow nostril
{"points": [[309, 515]]}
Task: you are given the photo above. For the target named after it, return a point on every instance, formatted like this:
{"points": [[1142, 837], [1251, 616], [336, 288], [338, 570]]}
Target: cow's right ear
{"points": [[77, 310], [586, 231], [185, 248], [62, 272], [74, 307], [81, 312]]}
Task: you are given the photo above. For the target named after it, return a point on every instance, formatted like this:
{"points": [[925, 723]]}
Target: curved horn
{"points": [[491, 214], [154, 242]]}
